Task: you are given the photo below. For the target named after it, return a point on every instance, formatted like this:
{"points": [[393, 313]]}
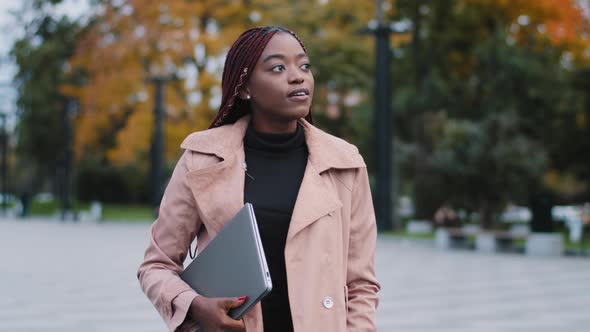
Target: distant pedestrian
{"points": [[446, 216], [586, 213]]}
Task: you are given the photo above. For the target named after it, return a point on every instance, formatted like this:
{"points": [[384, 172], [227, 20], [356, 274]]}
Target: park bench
{"points": [[485, 241], [454, 237], [493, 241]]}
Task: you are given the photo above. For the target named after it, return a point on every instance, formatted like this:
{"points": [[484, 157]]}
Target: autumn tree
{"points": [[130, 40], [127, 42], [125, 45]]}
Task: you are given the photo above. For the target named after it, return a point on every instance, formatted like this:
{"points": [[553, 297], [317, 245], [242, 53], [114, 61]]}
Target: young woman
{"points": [[310, 194]]}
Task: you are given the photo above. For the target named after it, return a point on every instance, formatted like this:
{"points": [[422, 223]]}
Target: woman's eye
{"points": [[278, 68], [306, 66]]}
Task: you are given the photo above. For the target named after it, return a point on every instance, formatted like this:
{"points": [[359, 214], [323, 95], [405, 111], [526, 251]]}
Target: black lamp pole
{"points": [[383, 120], [157, 146], [383, 126], [4, 150], [4, 164], [69, 110]]}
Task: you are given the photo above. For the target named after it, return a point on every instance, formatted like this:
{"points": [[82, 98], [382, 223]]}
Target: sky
{"points": [[10, 30]]}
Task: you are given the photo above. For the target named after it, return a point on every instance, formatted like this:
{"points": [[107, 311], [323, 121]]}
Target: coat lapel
{"points": [[219, 188], [314, 200], [222, 182], [316, 197]]}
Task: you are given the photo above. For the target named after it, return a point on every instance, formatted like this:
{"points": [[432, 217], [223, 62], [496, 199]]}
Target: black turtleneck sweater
{"points": [[275, 167]]}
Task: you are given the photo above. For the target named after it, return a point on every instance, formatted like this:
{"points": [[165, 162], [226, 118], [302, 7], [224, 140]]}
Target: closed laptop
{"points": [[233, 264]]}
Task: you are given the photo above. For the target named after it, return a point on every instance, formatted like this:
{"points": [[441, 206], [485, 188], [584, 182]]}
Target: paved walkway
{"points": [[81, 277]]}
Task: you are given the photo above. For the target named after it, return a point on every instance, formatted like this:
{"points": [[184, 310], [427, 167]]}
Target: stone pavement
{"points": [[81, 277]]}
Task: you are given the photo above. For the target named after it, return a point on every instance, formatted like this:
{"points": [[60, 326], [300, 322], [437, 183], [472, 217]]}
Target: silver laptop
{"points": [[233, 264]]}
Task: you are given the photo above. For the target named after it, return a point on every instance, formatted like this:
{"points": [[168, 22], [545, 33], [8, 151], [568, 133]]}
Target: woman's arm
{"points": [[170, 238], [361, 281]]}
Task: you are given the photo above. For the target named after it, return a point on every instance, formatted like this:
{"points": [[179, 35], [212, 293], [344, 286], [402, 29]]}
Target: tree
{"points": [[484, 165], [342, 63], [127, 42], [131, 41], [475, 60], [40, 56]]}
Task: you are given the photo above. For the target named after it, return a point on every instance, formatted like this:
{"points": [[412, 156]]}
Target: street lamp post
{"points": [[383, 120], [4, 164], [4, 151], [69, 110], [383, 126], [157, 145]]}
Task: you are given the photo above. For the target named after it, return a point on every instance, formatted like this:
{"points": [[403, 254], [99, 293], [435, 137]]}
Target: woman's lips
{"points": [[298, 98], [299, 94]]}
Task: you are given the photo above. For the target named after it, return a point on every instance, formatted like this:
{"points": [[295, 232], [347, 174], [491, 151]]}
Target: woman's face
{"points": [[281, 85]]}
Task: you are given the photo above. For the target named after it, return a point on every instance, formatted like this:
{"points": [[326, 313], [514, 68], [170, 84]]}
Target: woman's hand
{"points": [[211, 313]]}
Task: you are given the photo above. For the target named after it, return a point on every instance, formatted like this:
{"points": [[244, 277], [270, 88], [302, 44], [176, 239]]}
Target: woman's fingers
{"points": [[233, 302], [233, 325]]}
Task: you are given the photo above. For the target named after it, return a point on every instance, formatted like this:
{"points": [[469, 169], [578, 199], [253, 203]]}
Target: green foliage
{"points": [[44, 208], [479, 107], [341, 61], [96, 181], [53, 207], [118, 212], [482, 166], [110, 212], [40, 56]]}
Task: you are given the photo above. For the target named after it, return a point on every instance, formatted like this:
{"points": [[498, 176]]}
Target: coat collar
{"points": [[219, 188], [325, 151]]}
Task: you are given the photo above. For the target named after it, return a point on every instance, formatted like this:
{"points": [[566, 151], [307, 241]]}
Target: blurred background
{"points": [[472, 115], [487, 102]]}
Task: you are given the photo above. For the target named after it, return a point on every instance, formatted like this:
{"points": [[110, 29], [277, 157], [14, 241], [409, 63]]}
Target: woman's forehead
{"points": [[282, 44]]}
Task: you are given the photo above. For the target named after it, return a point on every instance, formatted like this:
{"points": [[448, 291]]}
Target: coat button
{"points": [[328, 302]]}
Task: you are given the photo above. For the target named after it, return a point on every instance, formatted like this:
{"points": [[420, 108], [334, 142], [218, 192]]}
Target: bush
{"points": [[112, 184]]}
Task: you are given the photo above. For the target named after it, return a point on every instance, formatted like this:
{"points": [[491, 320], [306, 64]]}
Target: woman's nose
{"points": [[295, 77]]}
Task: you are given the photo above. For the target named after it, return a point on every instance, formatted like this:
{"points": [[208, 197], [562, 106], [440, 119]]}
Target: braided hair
{"points": [[239, 64]]}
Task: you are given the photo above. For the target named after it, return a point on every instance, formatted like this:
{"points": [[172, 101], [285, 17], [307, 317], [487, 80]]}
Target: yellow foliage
{"points": [[581, 120], [133, 137], [564, 183], [137, 39], [561, 21], [128, 44]]}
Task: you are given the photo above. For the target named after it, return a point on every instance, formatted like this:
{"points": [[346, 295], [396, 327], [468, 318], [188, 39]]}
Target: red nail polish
{"points": [[242, 298]]}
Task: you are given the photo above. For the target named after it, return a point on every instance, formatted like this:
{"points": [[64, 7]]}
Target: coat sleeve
{"points": [[170, 238], [361, 281]]}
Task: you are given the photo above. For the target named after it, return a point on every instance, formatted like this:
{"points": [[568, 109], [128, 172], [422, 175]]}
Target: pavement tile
{"points": [[66, 277]]}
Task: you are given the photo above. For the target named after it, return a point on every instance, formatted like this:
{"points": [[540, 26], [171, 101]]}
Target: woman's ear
{"points": [[244, 93]]}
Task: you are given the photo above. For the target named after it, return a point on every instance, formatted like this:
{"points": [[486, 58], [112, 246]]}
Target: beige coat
{"points": [[330, 244]]}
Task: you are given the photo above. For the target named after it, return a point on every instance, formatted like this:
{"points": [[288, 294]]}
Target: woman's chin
{"points": [[299, 112]]}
